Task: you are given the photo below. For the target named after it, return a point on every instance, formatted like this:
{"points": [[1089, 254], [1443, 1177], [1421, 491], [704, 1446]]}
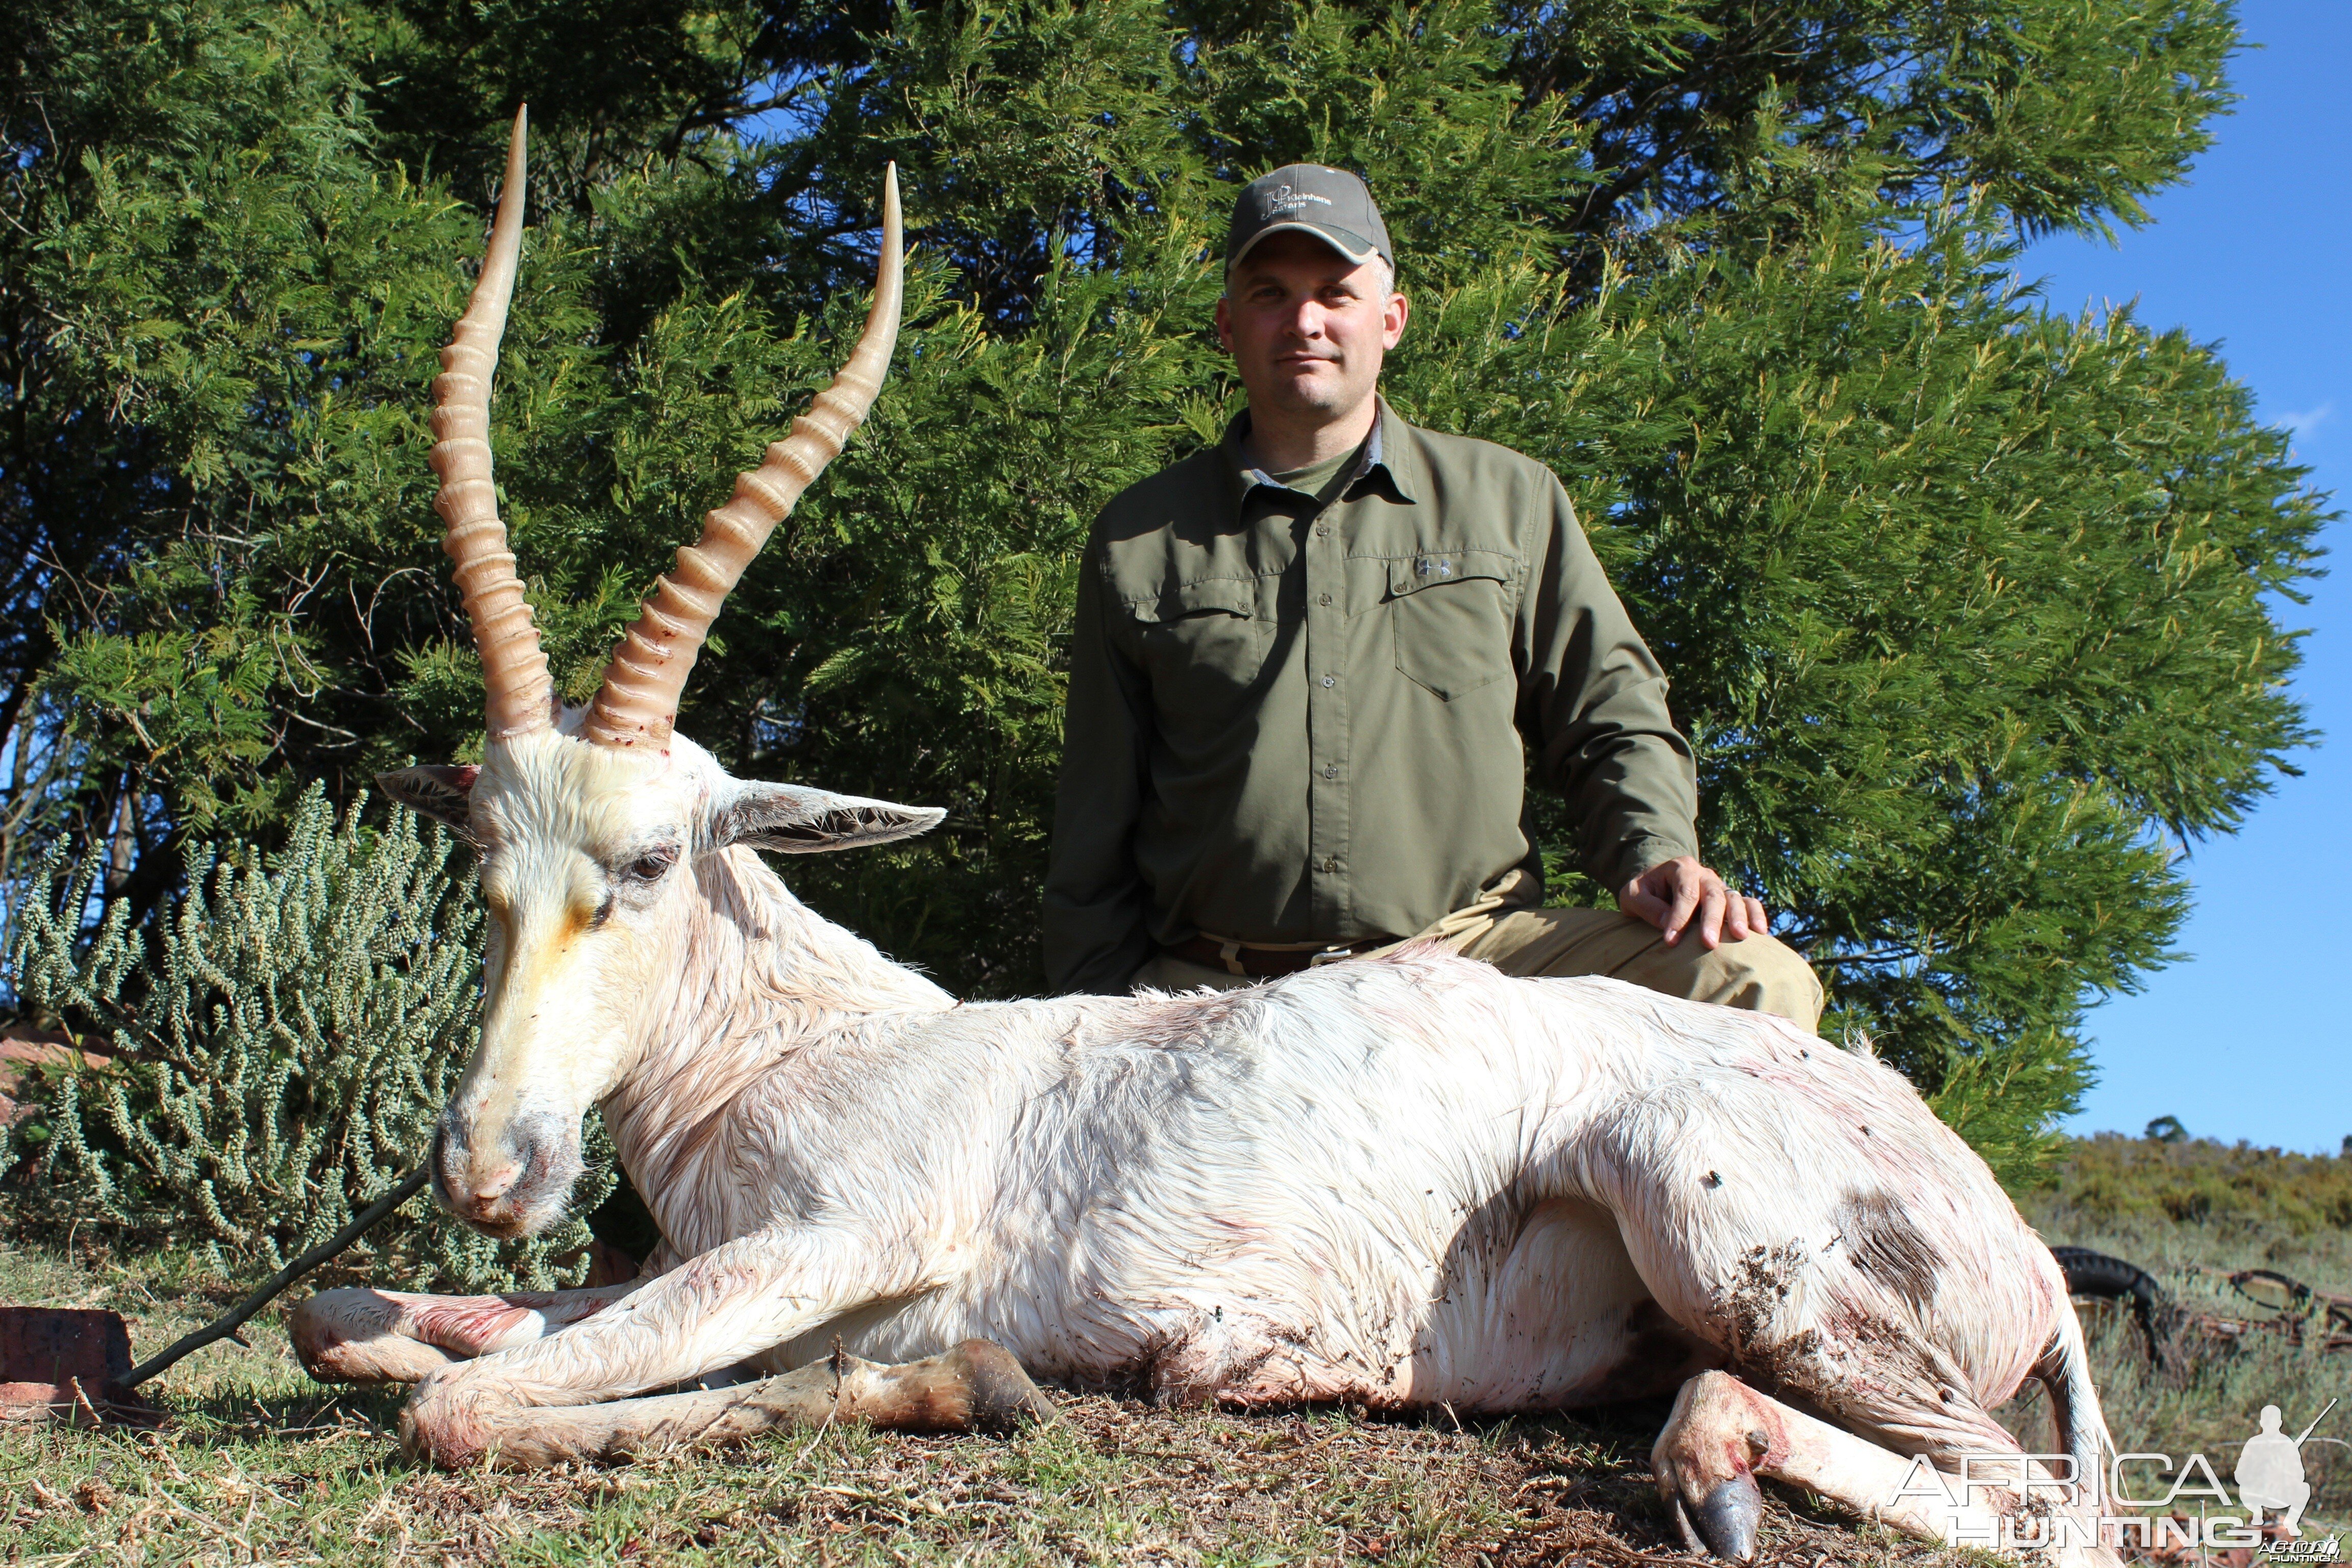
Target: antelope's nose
{"points": [[472, 1181], [494, 1185]]}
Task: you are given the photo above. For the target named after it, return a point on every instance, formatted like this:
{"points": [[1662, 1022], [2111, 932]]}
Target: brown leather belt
{"points": [[1240, 958]]}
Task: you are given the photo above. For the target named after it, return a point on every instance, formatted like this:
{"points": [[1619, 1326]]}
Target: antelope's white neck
{"points": [[759, 980]]}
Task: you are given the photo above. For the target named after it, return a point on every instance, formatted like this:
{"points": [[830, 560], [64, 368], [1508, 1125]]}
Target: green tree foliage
{"points": [[287, 1038], [1969, 606]]}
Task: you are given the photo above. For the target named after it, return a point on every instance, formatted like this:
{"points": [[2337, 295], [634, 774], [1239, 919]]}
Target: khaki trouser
{"points": [[1759, 973]]}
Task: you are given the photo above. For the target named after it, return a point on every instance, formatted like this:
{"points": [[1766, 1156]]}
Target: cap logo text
{"points": [[1284, 199]]}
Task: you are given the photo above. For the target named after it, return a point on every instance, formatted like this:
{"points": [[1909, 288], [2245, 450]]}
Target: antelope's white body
{"points": [[1394, 1182], [1407, 1181]]}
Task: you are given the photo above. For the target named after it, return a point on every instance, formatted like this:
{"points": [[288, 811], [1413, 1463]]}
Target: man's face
{"points": [[1307, 328]]}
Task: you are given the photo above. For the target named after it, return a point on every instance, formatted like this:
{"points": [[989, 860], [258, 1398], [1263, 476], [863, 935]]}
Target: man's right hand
{"points": [[1669, 893]]}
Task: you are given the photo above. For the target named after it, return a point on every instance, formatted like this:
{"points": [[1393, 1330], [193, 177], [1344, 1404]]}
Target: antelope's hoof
{"points": [[1001, 1394], [1704, 1463], [443, 1427], [354, 1336], [1726, 1521]]}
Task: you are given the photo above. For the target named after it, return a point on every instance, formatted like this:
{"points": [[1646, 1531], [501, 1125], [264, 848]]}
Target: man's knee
{"points": [[1760, 973]]}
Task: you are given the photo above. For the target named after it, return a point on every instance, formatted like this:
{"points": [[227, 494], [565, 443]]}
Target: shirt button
{"points": [[1322, 531], [1330, 680], [1331, 770], [1325, 601], [1332, 864]]}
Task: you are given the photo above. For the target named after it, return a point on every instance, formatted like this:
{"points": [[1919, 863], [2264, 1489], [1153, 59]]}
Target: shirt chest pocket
{"points": [[1451, 617], [1203, 638]]}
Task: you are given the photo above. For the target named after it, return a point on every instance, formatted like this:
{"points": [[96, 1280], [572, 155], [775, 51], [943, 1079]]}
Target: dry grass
{"points": [[260, 1466], [2208, 1396]]}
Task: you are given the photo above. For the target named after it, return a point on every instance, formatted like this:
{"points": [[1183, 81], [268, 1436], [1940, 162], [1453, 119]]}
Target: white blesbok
{"points": [[1394, 1182]]}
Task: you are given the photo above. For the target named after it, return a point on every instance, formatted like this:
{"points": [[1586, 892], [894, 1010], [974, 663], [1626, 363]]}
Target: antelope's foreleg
{"points": [[1723, 1434], [543, 1400], [391, 1336], [975, 1386]]}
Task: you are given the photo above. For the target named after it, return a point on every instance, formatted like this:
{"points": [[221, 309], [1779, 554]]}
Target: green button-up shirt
{"points": [[1291, 722]]}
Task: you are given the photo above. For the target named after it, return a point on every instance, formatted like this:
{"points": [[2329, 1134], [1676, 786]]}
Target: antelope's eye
{"points": [[650, 866]]}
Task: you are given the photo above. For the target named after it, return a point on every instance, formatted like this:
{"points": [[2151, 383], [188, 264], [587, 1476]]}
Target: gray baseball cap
{"points": [[1330, 203]]}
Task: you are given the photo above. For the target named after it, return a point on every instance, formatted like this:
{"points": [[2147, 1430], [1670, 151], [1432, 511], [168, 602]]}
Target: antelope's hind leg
{"points": [[1723, 1434]]}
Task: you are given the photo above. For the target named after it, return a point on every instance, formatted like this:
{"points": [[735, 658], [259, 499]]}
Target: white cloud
{"points": [[2308, 420]]}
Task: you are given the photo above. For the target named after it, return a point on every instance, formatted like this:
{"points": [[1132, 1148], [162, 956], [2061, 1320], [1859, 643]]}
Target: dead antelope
{"points": [[1392, 1182]]}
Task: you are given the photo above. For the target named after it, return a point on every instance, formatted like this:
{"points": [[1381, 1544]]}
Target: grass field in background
{"points": [[261, 1465], [2191, 1213]]}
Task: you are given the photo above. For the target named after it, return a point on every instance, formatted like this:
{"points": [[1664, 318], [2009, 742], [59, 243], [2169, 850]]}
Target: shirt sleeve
{"points": [[1096, 907], [1593, 704]]}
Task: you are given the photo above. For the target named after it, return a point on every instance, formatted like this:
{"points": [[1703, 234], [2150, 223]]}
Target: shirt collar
{"points": [[1396, 454], [1386, 452]]}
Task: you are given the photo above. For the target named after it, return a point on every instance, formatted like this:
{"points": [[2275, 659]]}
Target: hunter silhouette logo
{"points": [[2269, 1473], [2269, 1470]]}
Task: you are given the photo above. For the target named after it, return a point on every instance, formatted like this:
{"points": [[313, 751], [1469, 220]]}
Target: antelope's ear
{"points": [[435, 790], [793, 820]]}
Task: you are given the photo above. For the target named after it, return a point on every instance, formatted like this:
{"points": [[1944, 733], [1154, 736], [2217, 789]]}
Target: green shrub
{"points": [[288, 1033], [2195, 1180]]}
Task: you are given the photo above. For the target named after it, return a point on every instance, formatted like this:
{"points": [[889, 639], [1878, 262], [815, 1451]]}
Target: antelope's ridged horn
{"points": [[519, 695], [638, 701]]}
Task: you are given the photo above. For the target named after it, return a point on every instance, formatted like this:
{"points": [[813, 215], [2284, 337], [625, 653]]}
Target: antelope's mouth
{"points": [[511, 1187]]}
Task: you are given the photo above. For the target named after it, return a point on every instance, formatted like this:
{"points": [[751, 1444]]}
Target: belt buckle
{"points": [[1331, 955]]}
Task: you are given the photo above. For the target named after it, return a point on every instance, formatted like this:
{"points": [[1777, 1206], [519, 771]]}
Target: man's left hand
{"points": [[1668, 894]]}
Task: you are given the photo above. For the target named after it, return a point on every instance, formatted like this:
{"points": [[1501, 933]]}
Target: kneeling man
{"points": [[1306, 659]]}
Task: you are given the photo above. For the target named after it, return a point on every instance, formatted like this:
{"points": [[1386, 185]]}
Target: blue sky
{"points": [[2247, 1037]]}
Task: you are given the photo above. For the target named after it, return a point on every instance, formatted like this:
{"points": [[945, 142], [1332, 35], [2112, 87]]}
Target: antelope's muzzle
{"points": [[508, 1181]]}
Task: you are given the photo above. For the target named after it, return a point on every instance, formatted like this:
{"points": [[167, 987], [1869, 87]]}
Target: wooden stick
{"points": [[226, 1328]]}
